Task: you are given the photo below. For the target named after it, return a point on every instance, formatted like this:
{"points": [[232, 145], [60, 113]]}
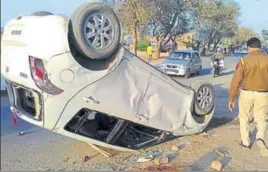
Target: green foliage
{"points": [[215, 20], [264, 34], [132, 13], [243, 34], [142, 45]]}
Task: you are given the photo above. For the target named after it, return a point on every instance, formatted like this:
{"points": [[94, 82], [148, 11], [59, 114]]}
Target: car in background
{"points": [[183, 63]]}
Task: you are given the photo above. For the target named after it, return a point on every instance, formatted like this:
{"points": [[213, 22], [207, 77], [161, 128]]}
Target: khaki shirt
{"points": [[251, 74]]}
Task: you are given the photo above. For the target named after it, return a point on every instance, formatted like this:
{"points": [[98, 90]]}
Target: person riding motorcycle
{"points": [[218, 57]]}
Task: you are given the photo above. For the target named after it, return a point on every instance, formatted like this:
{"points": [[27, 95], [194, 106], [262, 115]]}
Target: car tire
{"points": [[92, 37], [188, 74], [204, 100], [200, 71], [41, 13]]}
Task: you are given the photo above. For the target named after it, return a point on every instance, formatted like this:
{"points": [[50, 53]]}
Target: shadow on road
{"points": [[222, 115], [206, 71], [204, 162], [227, 73]]}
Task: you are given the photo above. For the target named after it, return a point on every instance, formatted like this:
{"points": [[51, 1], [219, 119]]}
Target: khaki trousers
{"points": [[258, 102]]}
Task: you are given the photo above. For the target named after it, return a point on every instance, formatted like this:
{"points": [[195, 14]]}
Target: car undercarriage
{"points": [[115, 131]]}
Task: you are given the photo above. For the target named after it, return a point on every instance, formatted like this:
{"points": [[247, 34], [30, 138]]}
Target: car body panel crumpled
{"points": [[134, 93]]}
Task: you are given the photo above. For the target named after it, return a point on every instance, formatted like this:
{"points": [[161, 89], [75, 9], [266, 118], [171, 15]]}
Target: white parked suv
{"points": [[71, 76]]}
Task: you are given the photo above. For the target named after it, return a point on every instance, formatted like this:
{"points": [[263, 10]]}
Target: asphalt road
{"points": [[39, 149]]}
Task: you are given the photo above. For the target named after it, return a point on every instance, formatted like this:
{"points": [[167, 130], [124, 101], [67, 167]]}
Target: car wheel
{"points": [[188, 74], [41, 13], [204, 97], [95, 31]]}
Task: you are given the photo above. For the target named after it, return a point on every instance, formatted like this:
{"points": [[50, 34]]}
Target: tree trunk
{"points": [[158, 47], [209, 43], [134, 40], [217, 41], [198, 43]]}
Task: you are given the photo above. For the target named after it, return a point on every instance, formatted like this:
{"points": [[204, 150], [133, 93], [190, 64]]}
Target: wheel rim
{"points": [[99, 31], [204, 97]]}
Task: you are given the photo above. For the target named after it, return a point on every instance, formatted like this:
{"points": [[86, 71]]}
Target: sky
{"points": [[254, 13]]}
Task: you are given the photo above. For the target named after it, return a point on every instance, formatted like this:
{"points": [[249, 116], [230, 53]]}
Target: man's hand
{"points": [[231, 106]]}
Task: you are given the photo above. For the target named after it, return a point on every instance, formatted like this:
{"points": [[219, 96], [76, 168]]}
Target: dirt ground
{"points": [[43, 150]]}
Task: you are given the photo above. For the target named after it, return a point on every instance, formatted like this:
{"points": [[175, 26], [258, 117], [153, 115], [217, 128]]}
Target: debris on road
{"points": [[219, 153], [52, 141], [205, 134], [161, 160], [105, 151], [175, 148], [67, 159], [163, 168], [145, 159], [21, 133], [183, 142], [216, 165], [75, 162], [85, 159], [43, 169]]}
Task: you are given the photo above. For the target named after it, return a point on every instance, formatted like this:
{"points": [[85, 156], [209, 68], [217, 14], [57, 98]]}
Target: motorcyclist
{"points": [[218, 56]]}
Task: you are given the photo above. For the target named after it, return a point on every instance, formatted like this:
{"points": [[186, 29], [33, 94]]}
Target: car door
{"points": [[192, 63], [163, 106], [197, 61]]}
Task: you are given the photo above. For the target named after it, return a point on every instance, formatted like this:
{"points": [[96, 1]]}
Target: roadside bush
{"points": [[142, 45]]}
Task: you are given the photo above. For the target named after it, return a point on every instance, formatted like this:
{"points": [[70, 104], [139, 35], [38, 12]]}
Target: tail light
{"points": [[39, 75]]}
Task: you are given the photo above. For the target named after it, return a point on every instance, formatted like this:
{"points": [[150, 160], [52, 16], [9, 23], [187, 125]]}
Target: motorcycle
{"points": [[217, 66]]}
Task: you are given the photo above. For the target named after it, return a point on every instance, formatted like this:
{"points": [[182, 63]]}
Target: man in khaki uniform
{"points": [[252, 75]]}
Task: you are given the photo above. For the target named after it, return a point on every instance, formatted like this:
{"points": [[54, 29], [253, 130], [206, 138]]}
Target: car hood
{"points": [[176, 62]]}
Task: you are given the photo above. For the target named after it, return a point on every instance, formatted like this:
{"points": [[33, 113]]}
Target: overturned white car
{"points": [[74, 78]]}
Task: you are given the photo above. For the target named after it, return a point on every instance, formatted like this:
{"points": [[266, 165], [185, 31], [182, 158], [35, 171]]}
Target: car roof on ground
{"points": [[186, 51]]}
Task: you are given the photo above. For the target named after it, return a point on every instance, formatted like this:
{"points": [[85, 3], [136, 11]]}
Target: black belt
{"points": [[263, 91]]}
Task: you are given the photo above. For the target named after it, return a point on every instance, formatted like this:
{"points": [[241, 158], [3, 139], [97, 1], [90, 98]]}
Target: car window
{"points": [[196, 57], [180, 56]]}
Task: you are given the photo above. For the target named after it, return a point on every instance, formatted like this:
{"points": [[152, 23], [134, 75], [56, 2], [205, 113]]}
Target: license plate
{"points": [[171, 71]]}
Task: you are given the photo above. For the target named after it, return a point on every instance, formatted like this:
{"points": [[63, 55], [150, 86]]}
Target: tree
{"points": [[169, 19], [215, 19], [243, 34], [264, 34], [132, 15]]}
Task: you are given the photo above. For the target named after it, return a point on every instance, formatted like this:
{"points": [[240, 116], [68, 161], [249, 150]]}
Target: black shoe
{"points": [[261, 144], [244, 146]]}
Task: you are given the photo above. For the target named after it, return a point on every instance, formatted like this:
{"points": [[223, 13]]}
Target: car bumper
{"points": [[25, 117], [175, 71]]}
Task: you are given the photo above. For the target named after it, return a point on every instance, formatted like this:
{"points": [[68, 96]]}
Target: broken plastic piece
{"points": [[145, 159]]}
